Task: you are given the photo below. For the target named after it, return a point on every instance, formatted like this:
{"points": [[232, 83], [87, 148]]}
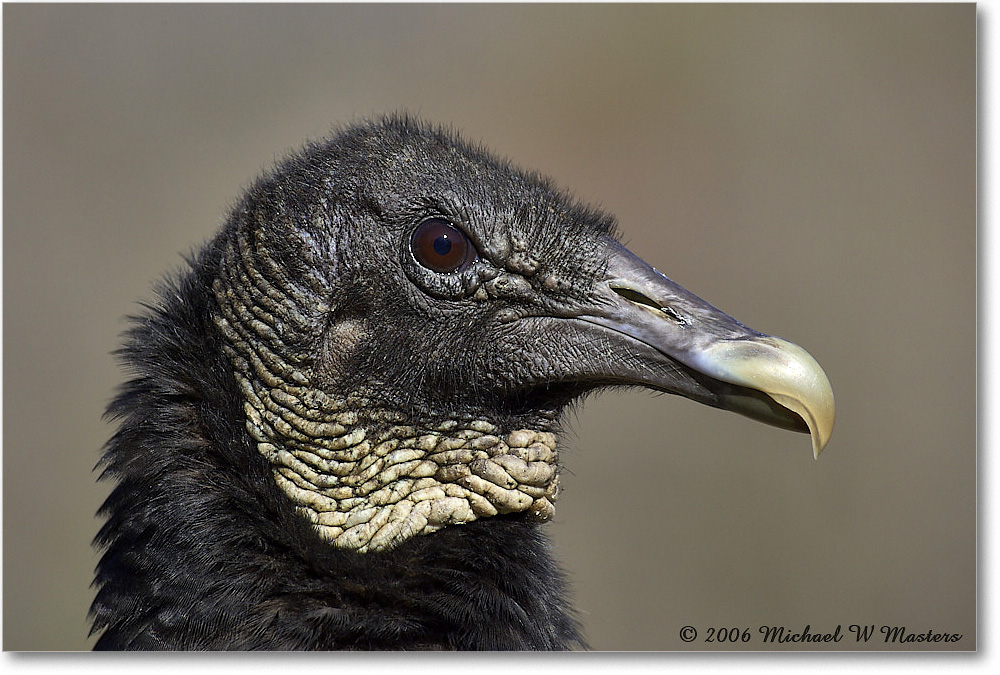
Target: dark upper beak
{"points": [[706, 355]]}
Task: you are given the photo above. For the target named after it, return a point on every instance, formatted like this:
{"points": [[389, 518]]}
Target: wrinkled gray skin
{"points": [[534, 320]]}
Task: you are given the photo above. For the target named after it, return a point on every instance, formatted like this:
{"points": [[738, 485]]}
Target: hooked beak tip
{"points": [[784, 371]]}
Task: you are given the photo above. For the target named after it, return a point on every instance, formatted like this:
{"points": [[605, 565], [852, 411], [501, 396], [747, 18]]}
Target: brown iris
{"points": [[440, 246]]}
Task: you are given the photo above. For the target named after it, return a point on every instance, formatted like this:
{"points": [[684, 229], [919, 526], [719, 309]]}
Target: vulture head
{"points": [[341, 429]]}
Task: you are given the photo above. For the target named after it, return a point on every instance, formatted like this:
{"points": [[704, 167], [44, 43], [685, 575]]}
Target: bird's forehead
{"points": [[506, 208]]}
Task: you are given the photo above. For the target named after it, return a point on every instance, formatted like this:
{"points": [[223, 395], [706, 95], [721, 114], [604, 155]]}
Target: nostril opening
{"points": [[635, 296], [638, 298]]}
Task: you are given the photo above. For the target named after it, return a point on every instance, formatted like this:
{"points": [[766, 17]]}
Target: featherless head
{"points": [[401, 310], [393, 321], [374, 296]]}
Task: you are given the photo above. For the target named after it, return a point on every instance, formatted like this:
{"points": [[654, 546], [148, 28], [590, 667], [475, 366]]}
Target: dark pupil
{"points": [[440, 246]]}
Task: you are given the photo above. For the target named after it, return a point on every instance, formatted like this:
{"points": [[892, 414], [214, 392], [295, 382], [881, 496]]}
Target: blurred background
{"points": [[809, 169]]}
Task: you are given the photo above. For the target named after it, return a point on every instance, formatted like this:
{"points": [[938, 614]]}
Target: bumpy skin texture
{"points": [[203, 547], [205, 552]]}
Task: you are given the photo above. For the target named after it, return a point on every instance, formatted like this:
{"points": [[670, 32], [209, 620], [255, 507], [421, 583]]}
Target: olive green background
{"points": [[810, 170]]}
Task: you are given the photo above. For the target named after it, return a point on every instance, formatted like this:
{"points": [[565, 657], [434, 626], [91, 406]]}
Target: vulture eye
{"points": [[440, 246]]}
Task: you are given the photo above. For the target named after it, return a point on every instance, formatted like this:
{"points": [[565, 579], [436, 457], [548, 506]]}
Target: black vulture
{"points": [[341, 426]]}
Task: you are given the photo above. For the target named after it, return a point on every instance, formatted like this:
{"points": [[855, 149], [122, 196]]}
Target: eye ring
{"points": [[441, 247]]}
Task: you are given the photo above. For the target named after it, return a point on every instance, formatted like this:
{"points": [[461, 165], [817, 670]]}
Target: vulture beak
{"points": [[689, 347]]}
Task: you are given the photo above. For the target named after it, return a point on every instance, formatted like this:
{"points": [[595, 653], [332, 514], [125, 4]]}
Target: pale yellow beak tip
{"points": [[782, 370], [804, 389]]}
